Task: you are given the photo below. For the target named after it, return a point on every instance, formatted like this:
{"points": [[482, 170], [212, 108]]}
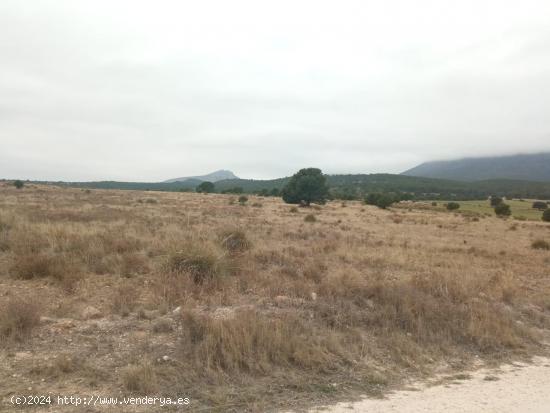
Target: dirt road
{"points": [[516, 388]]}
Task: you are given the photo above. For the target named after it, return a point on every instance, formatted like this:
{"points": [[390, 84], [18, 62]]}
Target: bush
{"points": [[380, 200], [205, 187], [17, 318], [234, 241], [546, 215], [243, 199], [495, 200], [293, 210], [540, 244], [540, 205], [310, 218], [306, 186], [453, 206], [503, 210], [18, 184], [198, 261], [434, 204]]}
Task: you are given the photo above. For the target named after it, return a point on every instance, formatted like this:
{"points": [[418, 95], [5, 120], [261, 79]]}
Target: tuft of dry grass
{"points": [[125, 298], [251, 343], [18, 317], [140, 378]]}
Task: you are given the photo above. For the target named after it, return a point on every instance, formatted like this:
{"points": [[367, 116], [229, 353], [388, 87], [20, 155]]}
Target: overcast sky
{"points": [[151, 90]]}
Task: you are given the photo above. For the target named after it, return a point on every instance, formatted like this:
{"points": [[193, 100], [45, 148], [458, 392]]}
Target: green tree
{"points": [[546, 215], [243, 199], [380, 200], [205, 187], [503, 210], [495, 200], [18, 184], [306, 186]]}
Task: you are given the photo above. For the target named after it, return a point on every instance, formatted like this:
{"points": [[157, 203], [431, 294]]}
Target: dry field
{"points": [[255, 307]]}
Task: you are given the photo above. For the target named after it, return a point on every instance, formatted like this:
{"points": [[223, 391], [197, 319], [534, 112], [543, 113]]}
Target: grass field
{"points": [[257, 307]]}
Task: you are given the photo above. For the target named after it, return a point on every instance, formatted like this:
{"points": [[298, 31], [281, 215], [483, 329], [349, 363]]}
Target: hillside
{"points": [[211, 177], [533, 167]]}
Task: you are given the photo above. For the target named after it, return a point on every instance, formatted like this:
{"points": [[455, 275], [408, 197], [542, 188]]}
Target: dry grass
{"points": [[250, 309], [18, 318], [140, 379]]}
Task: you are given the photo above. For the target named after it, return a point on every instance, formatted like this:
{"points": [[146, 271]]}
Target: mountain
{"points": [[533, 167], [216, 176]]}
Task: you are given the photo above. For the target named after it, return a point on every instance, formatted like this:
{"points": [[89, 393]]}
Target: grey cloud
{"points": [[137, 90]]}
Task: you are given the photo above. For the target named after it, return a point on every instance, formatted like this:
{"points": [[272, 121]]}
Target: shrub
{"points": [[503, 210], [540, 244], [380, 200], [28, 266], [243, 199], [453, 206], [434, 203], [546, 215], [198, 261], [18, 184], [306, 186], [17, 318], [495, 200], [310, 218], [234, 241], [205, 187], [540, 205], [293, 210]]}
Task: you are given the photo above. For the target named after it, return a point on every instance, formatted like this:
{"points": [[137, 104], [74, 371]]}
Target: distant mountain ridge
{"points": [[215, 176], [526, 167]]}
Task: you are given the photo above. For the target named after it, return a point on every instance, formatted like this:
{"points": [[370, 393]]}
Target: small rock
{"points": [[165, 358], [177, 311], [314, 296], [90, 313]]}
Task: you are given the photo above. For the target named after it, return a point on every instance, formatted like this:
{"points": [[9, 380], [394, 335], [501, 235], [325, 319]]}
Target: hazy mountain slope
{"points": [[212, 177], [534, 167]]}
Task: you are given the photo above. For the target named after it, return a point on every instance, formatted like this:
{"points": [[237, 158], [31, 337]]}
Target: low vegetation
{"points": [[252, 309], [503, 210]]}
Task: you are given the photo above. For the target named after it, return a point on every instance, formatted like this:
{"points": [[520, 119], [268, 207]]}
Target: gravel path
{"points": [[516, 388]]}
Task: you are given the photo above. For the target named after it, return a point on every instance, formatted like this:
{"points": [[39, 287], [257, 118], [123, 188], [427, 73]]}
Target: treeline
{"points": [[355, 187]]}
